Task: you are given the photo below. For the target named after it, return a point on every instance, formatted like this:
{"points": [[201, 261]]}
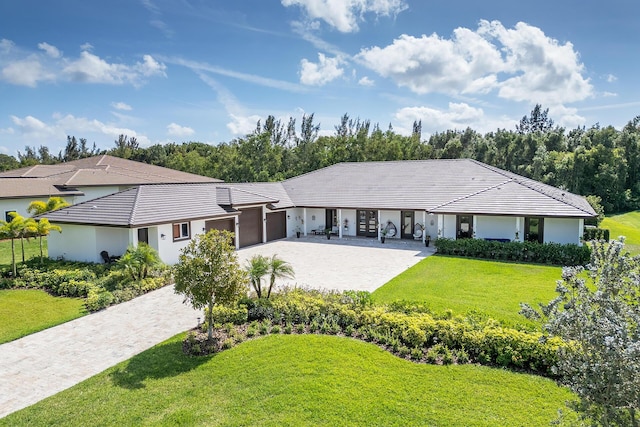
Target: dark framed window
{"points": [[181, 231], [7, 216], [464, 226], [534, 229], [143, 235]]}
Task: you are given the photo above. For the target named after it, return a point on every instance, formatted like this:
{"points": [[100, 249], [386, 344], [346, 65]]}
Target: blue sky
{"points": [[186, 70]]}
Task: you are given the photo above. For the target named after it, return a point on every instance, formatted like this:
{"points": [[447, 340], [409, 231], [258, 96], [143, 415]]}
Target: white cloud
{"points": [[326, 70], [566, 117], [175, 129], [52, 51], [86, 46], [609, 94], [34, 130], [121, 106], [521, 64], [48, 64], [242, 125], [611, 78], [366, 81], [344, 15]]}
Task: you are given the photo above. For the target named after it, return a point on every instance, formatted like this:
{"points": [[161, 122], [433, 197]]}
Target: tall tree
{"points": [[42, 229], [278, 269], [12, 230], [208, 273]]}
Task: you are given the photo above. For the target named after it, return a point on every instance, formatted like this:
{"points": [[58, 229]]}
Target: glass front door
{"points": [[367, 223], [408, 219], [464, 226]]}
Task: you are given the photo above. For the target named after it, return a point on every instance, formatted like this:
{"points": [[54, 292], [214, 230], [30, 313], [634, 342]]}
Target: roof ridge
{"points": [[475, 193], [523, 180], [71, 177], [134, 210]]}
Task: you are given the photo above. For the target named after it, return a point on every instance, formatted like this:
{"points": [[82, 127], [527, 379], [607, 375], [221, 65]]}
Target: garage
{"points": [[220, 224], [276, 225], [250, 221]]}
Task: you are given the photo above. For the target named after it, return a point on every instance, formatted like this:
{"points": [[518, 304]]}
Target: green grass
{"points": [[25, 311], [31, 249], [297, 380], [462, 284], [628, 225]]}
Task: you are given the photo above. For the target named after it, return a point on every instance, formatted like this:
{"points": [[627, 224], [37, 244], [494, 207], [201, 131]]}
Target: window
{"points": [[181, 231], [534, 229], [7, 216], [464, 225]]}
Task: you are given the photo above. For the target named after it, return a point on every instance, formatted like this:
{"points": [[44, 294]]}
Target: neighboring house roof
{"points": [[439, 186], [159, 204], [104, 170], [14, 188]]}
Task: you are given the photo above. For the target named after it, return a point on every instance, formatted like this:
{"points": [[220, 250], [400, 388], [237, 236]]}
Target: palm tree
{"points": [[43, 228], [12, 230], [257, 266], [278, 269], [139, 261], [38, 207], [29, 229]]}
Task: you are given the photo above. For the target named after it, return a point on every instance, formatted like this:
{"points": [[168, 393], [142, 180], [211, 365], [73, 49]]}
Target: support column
{"points": [[580, 231], [340, 223], [475, 224], [304, 221], [379, 225], [237, 233], [424, 226], [133, 237], [440, 225], [264, 224], [518, 239]]}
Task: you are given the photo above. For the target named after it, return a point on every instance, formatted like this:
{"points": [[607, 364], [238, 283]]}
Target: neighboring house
{"points": [[80, 180], [448, 198]]}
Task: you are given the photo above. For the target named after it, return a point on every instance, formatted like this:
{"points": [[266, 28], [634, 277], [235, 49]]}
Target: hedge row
{"points": [[596, 234], [412, 334], [99, 287], [545, 253]]}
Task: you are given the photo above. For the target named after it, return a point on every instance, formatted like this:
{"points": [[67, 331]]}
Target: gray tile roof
{"points": [[441, 186], [272, 190], [159, 204]]}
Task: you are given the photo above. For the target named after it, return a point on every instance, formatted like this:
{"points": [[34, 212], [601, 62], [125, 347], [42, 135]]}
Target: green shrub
{"points": [[546, 253], [596, 234], [97, 299], [223, 314], [275, 329]]}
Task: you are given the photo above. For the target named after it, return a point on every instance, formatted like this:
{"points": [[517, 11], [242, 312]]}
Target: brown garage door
{"points": [[250, 226], [276, 225], [220, 224]]}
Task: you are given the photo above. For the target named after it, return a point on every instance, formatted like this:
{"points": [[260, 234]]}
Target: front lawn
{"points": [[491, 288], [297, 380], [628, 225], [25, 311]]}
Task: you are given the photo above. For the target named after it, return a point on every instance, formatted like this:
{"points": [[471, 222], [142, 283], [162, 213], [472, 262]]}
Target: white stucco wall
{"points": [[448, 226], [20, 205], [85, 242], [95, 192], [562, 230], [495, 227]]}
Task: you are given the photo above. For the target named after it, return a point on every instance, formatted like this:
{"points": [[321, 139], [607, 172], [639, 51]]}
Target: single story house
{"points": [[418, 199], [80, 180]]}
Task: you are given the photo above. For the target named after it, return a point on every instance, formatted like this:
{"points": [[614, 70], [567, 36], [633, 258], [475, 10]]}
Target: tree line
{"points": [[598, 161]]}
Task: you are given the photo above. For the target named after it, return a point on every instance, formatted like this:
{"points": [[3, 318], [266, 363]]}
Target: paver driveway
{"points": [[42, 364]]}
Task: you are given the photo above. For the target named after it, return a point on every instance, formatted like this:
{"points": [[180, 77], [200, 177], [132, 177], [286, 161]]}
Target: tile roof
{"points": [[13, 188], [442, 186], [105, 170], [158, 204], [273, 190]]}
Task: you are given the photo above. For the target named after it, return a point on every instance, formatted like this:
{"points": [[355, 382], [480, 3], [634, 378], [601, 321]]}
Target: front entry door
{"points": [[464, 227], [408, 219], [368, 223]]}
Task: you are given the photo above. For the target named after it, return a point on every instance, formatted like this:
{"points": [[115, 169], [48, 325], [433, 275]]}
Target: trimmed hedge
{"points": [[545, 253], [596, 234], [409, 333]]}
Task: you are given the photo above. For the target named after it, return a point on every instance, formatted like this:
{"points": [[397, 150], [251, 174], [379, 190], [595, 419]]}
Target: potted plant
{"points": [[327, 231], [383, 234], [298, 232], [427, 239]]}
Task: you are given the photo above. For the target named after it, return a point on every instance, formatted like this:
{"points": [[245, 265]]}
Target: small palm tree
{"points": [[38, 207], [257, 266], [29, 229], [140, 260], [44, 228], [278, 269], [12, 230]]}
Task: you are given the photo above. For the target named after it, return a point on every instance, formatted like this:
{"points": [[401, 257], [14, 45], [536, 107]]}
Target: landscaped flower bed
{"points": [[407, 331]]}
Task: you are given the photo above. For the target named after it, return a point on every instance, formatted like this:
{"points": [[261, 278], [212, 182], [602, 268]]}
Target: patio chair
{"points": [[417, 234], [319, 230], [108, 259]]}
